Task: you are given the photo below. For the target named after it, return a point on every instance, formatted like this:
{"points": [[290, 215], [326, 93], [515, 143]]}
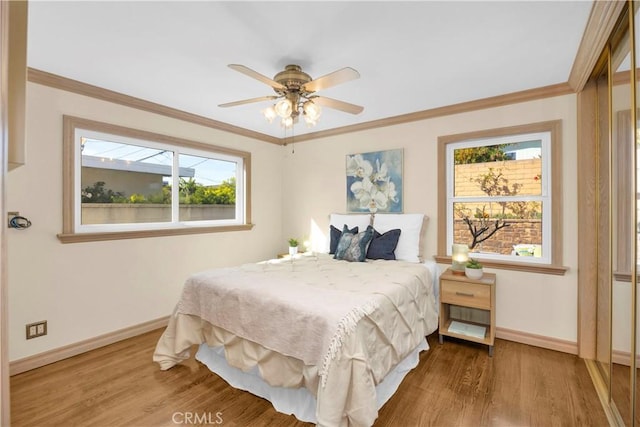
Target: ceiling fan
{"points": [[295, 90]]}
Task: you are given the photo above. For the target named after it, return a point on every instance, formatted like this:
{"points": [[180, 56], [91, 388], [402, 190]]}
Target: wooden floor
{"points": [[455, 384]]}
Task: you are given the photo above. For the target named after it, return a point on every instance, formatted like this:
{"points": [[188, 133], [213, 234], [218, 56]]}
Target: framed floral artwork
{"points": [[374, 181]]}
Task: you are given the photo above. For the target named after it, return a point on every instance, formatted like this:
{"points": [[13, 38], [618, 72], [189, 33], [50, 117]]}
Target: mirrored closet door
{"points": [[635, 330], [614, 97], [620, 233]]}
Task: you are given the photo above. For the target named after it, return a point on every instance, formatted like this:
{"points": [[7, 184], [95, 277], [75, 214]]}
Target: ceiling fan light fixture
{"points": [[295, 92], [311, 111], [310, 123], [283, 108], [270, 113], [287, 122]]}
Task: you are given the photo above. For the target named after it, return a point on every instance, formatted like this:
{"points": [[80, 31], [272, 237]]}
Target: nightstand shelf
{"points": [[471, 304]]}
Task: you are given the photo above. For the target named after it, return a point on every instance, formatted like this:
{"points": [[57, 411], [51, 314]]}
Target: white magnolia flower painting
{"points": [[374, 182]]}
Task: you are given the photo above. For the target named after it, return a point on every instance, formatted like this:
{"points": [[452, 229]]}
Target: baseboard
{"points": [[624, 358], [57, 354], [537, 340], [617, 356]]}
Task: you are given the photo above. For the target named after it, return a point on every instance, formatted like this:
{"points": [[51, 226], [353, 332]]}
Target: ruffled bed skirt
{"points": [[298, 402]]}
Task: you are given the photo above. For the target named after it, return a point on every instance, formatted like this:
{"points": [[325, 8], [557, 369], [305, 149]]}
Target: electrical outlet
{"points": [[36, 329]]}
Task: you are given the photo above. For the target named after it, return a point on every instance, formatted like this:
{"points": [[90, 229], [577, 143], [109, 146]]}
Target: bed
{"points": [[328, 340]]}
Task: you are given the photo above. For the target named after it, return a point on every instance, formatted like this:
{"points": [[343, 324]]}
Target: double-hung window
{"points": [[500, 194], [125, 183]]}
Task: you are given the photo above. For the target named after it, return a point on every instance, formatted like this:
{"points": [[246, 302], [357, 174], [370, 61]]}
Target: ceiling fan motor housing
{"points": [[293, 78]]}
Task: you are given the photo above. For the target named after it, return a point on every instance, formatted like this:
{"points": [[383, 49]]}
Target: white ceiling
{"points": [[412, 56]]}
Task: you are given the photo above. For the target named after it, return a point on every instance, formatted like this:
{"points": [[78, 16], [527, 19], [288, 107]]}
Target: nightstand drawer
{"points": [[465, 294]]}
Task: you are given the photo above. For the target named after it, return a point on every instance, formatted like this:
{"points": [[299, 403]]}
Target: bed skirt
{"points": [[298, 402]]}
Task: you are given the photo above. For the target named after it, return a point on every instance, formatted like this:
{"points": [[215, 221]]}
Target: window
{"points": [[624, 196], [125, 183], [500, 193]]}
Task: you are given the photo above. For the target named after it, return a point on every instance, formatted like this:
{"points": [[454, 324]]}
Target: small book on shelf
{"points": [[467, 329]]}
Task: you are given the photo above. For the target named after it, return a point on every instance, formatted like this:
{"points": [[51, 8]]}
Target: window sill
{"points": [[557, 270], [623, 276], [121, 235]]}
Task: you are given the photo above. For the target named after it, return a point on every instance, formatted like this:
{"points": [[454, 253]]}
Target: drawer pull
{"points": [[464, 294]]}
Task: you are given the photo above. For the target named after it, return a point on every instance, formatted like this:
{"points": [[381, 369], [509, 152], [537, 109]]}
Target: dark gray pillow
{"points": [[336, 234], [383, 246], [353, 247]]}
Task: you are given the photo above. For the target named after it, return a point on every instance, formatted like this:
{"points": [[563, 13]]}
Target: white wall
{"points": [[315, 186], [87, 289]]}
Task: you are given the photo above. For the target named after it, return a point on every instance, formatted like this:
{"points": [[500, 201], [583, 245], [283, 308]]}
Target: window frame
{"points": [[551, 265], [73, 231], [544, 198], [624, 166]]}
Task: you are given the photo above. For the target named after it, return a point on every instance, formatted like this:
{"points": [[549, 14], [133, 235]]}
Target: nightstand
{"points": [[468, 308]]}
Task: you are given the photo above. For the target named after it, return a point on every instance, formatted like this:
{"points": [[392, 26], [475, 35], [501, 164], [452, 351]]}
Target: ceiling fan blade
{"points": [[256, 75], [248, 101], [337, 105], [341, 76]]}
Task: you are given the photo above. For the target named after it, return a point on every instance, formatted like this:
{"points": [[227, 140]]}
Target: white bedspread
{"points": [[352, 322]]}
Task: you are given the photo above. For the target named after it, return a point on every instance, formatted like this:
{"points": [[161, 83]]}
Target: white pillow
{"points": [[408, 248], [362, 221]]}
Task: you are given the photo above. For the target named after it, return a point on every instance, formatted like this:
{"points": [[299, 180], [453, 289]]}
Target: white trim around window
{"points": [[550, 196], [77, 131], [544, 198]]}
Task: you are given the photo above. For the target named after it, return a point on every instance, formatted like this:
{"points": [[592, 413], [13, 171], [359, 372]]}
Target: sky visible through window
{"points": [[207, 171]]}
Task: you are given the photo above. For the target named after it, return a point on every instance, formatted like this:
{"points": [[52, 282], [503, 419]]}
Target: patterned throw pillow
{"points": [[383, 246], [336, 234], [409, 243], [353, 247]]}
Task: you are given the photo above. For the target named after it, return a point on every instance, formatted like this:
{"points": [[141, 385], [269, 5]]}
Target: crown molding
{"points": [[602, 20], [75, 86], [463, 107], [64, 83]]}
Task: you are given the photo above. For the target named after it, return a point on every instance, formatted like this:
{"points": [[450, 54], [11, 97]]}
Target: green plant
{"points": [[293, 242], [193, 193], [474, 263], [98, 194], [492, 153], [137, 198]]}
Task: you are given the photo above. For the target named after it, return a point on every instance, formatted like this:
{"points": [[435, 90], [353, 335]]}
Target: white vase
{"points": [[293, 250], [473, 273]]}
